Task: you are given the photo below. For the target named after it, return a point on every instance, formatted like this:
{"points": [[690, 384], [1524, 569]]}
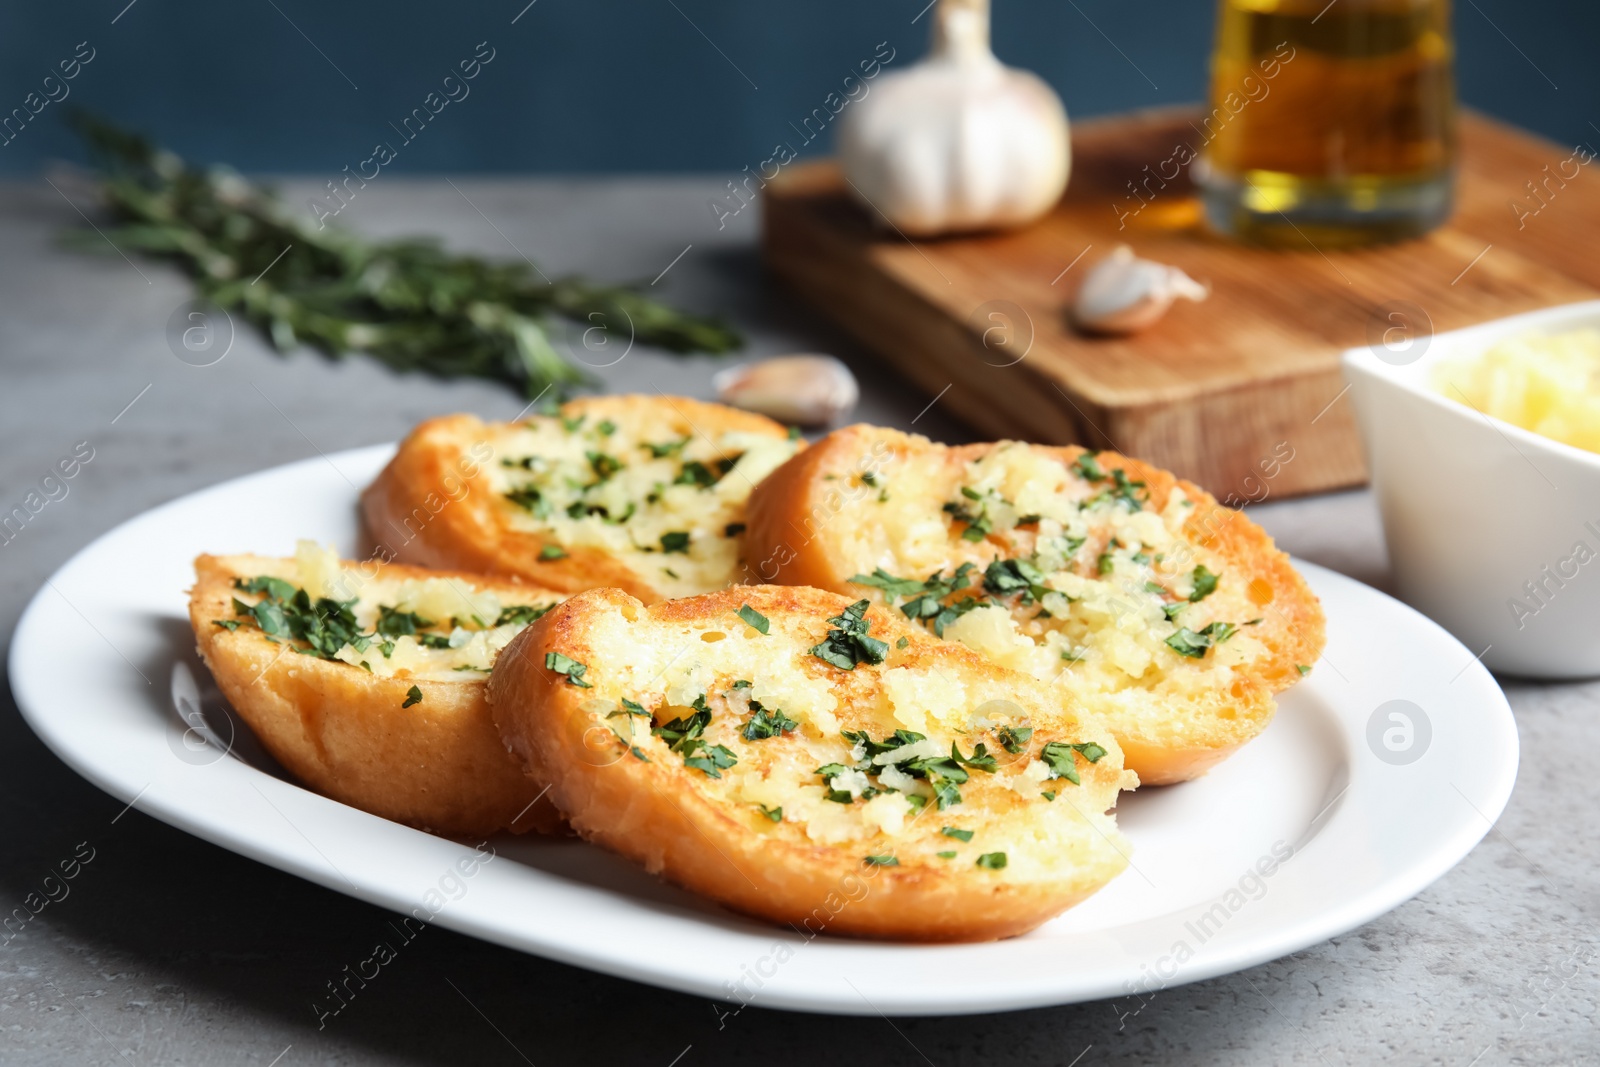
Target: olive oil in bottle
{"points": [[1329, 123]]}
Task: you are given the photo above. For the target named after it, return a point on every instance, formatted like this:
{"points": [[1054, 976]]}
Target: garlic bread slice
{"points": [[366, 681], [1123, 588], [644, 493], [781, 749]]}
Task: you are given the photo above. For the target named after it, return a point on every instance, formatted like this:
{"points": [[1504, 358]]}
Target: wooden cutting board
{"points": [[1221, 391]]}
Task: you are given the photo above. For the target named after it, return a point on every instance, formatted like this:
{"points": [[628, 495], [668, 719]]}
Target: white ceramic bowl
{"points": [[1493, 531]]}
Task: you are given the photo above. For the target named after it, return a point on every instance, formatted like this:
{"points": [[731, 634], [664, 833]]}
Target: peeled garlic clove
{"points": [[803, 390], [1124, 294]]}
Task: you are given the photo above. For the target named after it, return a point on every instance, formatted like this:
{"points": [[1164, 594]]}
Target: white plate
{"points": [[104, 649]]}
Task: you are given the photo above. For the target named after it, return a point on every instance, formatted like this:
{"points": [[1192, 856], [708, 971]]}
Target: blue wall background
{"points": [[640, 85]]}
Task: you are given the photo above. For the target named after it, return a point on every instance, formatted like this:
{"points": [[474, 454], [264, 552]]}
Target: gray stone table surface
{"points": [[170, 950]]}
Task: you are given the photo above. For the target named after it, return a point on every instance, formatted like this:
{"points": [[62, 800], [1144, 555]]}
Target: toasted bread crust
{"points": [[438, 765], [654, 809], [432, 505], [798, 516]]}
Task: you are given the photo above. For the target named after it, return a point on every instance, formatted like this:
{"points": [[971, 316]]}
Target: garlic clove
{"points": [[1123, 294], [802, 390]]}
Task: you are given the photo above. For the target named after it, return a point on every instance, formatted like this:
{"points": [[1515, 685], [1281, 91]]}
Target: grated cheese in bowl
{"points": [[1548, 384]]}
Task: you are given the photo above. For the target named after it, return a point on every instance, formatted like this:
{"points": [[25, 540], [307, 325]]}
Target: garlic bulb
{"points": [[802, 390], [958, 141], [1124, 294]]}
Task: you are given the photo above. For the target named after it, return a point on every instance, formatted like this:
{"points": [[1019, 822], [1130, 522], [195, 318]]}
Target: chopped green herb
{"points": [[1006, 576], [945, 855], [1014, 738], [669, 448], [880, 861], [1104, 564], [925, 600], [677, 541], [413, 696], [978, 522], [1061, 758], [1303, 669], [892, 586], [849, 644], [1090, 751], [684, 736], [531, 499], [605, 513], [830, 771], [981, 759], [607, 428], [1088, 468], [1187, 642], [959, 835], [273, 588], [552, 552], [1205, 583], [775, 814], [898, 739], [756, 621], [794, 433], [604, 466], [633, 707], [733, 529], [269, 615], [945, 778], [712, 759], [521, 614], [693, 472], [1048, 795], [765, 723], [229, 625], [574, 670], [284, 611], [992, 861], [903, 642], [870, 478], [1125, 490], [684, 729]]}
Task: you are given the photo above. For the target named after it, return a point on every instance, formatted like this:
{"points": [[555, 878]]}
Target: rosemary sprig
{"points": [[406, 302]]}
